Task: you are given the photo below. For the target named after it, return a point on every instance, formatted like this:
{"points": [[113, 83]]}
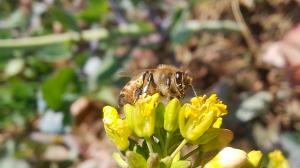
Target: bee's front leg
{"points": [[149, 85]]}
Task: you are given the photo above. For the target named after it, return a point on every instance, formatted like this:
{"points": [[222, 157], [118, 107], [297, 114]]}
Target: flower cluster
{"points": [[153, 135]]}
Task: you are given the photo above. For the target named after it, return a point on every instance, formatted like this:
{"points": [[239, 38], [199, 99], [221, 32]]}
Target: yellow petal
{"points": [[218, 123], [110, 115], [116, 129], [195, 131]]}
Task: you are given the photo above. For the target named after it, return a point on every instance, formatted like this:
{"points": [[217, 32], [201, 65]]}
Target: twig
{"points": [[243, 26], [87, 35], [212, 25], [101, 34]]}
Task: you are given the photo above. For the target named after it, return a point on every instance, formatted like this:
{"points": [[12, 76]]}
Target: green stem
{"points": [[168, 138], [148, 142], [179, 148], [161, 139]]}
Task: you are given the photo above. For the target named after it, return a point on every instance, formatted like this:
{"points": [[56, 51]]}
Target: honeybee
{"points": [[165, 79]]}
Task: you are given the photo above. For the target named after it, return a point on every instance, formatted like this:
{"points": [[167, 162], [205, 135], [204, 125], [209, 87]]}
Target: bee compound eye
{"points": [[178, 77]]}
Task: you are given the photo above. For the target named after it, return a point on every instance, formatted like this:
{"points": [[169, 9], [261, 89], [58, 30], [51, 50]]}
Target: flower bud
{"points": [[228, 158], [171, 115], [254, 159]]}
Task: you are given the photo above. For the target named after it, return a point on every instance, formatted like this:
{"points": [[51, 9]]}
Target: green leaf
{"points": [[136, 160], [54, 87], [64, 17], [55, 52], [95, 10]]}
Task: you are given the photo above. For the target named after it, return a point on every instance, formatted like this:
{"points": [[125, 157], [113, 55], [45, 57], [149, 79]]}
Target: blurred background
{"points": [[60, 59]]}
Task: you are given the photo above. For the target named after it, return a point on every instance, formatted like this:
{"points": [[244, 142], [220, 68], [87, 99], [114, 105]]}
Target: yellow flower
{"points": [[201, 114], [142, 115], [277, 160], [116, 129]]}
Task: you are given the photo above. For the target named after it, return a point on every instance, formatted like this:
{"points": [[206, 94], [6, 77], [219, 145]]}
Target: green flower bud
{"points": [[171, 115], [136, 160]]}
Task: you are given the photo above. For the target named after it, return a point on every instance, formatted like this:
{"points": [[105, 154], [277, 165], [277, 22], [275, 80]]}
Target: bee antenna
{"points": [[195, 93]]}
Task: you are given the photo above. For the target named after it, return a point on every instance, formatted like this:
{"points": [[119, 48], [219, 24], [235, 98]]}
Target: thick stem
{"points": [[168, 138]]}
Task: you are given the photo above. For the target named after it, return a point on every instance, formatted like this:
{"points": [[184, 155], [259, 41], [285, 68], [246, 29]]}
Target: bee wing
{"points": [[128, 73], [132, 73]]}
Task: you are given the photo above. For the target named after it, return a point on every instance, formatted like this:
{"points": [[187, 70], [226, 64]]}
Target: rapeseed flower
{"points": [[142, 115], [117, 129], [201, 114]]}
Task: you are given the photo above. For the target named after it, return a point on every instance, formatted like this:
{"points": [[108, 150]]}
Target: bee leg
{"points": [[149, 81], [137, 94]]}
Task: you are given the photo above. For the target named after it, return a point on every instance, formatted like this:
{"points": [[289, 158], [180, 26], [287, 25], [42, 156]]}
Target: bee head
{"points": [[182, 79]]}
